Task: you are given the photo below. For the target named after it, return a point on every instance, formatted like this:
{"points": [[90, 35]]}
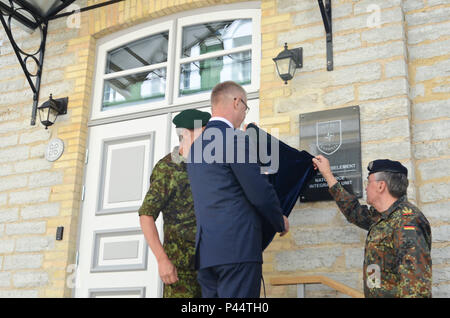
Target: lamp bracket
{"points": [[325, 10], [62, 105], [298, 56]]}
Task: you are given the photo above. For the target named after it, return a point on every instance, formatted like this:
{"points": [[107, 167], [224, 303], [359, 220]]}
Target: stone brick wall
{"points": [[428, 42], [392, 59], [36, 196]]}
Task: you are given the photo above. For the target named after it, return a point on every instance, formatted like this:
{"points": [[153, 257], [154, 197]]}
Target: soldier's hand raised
{"points": [[322, 163]]}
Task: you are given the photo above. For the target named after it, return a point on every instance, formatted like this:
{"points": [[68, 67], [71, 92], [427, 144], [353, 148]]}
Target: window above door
{"points": [[213, 52], [176, 62]]}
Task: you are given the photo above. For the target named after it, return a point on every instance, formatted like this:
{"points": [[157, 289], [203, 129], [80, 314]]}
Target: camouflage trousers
{"points": [[186, 287]]}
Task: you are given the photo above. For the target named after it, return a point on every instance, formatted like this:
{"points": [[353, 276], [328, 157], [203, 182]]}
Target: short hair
{"points": [[222, 88], [397, 183]]}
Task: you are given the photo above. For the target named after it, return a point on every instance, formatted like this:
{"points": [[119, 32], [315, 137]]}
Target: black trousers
{"points": [[240, 280]]}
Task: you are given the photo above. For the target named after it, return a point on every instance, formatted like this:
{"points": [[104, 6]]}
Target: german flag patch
{"points": [[408, 227]]}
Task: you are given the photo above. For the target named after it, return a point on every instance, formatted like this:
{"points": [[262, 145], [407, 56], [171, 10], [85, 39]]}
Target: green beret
{"points": [[186, 118], [387, 166]]}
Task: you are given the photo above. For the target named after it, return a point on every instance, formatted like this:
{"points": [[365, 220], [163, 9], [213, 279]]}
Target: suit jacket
{"points": [[231, 198]]}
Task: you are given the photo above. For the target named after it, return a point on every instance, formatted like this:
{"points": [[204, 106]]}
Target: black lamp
{"points": [[51, 109], [288, 61]]}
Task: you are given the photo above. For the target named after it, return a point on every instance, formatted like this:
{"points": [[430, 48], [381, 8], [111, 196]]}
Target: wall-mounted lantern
{"points": [[288, 61], [49, 111]]}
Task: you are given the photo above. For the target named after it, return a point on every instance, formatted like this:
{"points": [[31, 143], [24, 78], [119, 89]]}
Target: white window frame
{"points": [[255, 47], [100, 75], [174, 25]]}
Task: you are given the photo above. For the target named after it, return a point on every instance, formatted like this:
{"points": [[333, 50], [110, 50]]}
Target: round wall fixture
{"points": [[55, 149]]}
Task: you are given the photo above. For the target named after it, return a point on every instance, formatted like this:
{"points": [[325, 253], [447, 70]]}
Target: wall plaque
{"points": [[335, 134], [55, 149]]}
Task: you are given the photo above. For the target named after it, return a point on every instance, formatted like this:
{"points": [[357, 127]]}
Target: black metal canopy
{"points": [[31, 13], [35, 15]]}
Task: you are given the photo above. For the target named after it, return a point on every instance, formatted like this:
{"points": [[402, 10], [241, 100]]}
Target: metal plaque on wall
{"points": [[335, 134]]}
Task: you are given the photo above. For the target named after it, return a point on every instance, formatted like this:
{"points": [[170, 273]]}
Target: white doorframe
{"points": [[108, 230]]}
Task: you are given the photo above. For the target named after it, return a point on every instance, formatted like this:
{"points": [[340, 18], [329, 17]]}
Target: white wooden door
{"points": [[114, 259]]}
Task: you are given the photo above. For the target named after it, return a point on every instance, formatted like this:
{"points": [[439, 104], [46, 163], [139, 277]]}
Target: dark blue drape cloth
{"points": [[295, 170]]}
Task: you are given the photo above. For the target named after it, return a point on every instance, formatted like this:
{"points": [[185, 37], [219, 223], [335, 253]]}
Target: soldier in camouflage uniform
{"points": [[170, 193], [397, 261]]}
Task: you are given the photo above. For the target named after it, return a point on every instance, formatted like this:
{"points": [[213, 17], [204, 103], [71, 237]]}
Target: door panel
{"points": [[125, 163], [119, 250]]}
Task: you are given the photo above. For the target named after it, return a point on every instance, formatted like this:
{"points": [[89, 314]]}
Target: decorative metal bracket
{"points": [[27, 60], [32, 63], [325, 10]]}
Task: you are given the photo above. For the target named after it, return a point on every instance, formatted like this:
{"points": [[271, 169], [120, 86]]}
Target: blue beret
{"points": [[387, 166], [186, 118]]}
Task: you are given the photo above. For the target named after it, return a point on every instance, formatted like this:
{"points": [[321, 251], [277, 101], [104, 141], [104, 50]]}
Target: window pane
{"points": [[144, 52], [203, 75], [134, 89], [216, 36]]}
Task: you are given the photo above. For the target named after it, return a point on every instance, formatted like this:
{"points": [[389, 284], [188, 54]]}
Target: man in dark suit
{"points": [[231, 198]]}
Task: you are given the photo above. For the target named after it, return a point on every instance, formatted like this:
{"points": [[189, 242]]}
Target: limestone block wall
{"points": [[37, 196], [390, 58], [428, 42]]}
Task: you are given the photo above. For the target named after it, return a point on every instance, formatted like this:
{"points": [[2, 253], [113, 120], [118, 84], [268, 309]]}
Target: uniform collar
{"points": [[393, 207], [176, 157]]}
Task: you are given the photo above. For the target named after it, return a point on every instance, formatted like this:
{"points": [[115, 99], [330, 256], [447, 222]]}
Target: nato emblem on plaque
{"points": [[329, 136], [55, 149]]}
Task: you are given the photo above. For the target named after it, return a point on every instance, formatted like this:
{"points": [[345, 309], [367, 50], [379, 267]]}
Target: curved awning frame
{"points": [[33, 15]]}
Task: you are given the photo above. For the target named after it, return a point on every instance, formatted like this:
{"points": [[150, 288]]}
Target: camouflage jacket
{"points": [[397, 260], [170, 193]]}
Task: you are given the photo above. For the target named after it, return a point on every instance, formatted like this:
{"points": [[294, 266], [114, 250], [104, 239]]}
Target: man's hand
{"points": [[286, 226], [167, 271], [322, 163]]}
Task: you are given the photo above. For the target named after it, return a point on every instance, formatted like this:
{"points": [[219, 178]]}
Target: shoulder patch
{"points": [[407, 211], [409, 227]]}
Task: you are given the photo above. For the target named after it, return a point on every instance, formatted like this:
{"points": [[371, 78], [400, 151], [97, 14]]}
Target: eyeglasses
{"points": [[246, 107], [366, 182]]}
